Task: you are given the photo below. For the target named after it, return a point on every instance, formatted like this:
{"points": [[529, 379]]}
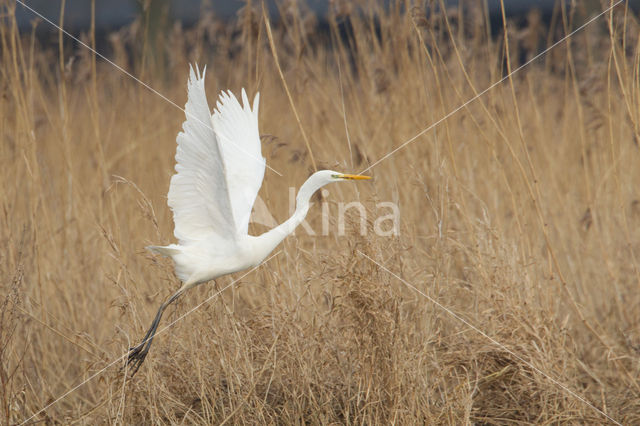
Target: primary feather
{"points": [[236, 129]]}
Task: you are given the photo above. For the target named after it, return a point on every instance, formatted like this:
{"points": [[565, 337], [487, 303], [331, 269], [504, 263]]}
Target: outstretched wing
{"points": [[236, 128], [201, 195]]}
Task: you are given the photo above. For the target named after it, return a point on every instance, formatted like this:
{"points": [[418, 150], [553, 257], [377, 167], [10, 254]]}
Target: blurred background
{"points": [[112, 14]]}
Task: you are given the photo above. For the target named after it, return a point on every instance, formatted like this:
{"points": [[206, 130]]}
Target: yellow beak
{"points": [[355, 177]]}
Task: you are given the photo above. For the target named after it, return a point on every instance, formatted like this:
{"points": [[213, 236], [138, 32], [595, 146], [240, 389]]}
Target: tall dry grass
{"points": [[520, 214]]}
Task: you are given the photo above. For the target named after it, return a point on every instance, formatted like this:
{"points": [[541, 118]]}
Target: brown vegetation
{"points": [[520, 214]]}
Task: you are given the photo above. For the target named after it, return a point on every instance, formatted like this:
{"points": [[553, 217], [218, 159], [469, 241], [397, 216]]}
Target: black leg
{"points": [[138, 353]]}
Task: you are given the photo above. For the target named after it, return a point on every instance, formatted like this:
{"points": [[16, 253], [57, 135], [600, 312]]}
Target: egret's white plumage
{"points": [[219, 171]]}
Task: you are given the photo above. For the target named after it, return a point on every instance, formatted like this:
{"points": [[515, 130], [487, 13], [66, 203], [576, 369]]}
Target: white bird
{"points": [[219, 171]]}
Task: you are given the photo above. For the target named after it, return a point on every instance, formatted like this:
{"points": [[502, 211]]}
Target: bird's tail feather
{"points": [[164, 250]]}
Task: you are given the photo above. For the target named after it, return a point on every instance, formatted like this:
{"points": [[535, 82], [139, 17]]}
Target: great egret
{"points": [[219, 171]]}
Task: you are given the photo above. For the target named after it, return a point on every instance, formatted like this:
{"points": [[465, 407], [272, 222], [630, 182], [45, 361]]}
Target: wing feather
{"points": [[198, 193], [219, 166], [236, 128]]}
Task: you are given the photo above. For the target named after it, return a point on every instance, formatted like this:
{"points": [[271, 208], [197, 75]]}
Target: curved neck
{"points": [[275, 236]]}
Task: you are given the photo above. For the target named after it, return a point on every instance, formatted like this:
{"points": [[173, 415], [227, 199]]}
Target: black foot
{"points": [[137, 354]]}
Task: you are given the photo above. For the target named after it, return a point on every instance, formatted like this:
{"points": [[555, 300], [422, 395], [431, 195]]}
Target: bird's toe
{"points": [[136, 357]]}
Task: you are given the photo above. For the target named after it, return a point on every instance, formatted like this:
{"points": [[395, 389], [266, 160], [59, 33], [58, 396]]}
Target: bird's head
{"points": [[322, 178]]}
